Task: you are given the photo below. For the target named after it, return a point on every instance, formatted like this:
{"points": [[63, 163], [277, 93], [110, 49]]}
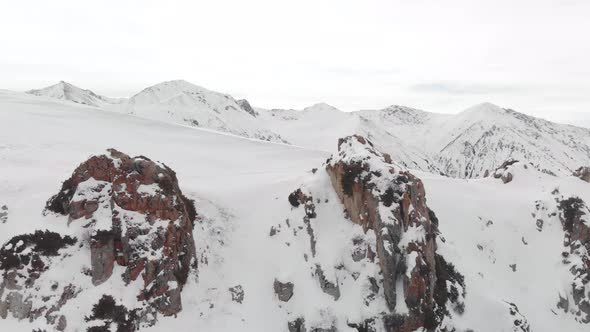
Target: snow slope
{"points": [[68, 92], [241, 188]]}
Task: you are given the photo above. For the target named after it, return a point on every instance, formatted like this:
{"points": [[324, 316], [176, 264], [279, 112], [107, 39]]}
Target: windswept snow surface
{"points": [[241, 188]]}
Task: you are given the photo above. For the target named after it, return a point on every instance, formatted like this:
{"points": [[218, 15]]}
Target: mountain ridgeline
{"points": [[469, 144]]}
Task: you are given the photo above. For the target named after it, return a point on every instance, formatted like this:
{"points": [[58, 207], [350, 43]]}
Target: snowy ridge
{"points": [[185, 103], [482, 137], [68, 92], [469, 144]]}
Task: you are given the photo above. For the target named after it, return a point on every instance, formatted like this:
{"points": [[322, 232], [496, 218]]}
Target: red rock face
{"points": [[392, 203], [140, 220]]}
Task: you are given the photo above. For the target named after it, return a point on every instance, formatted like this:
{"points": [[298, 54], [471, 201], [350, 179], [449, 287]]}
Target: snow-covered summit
{"points": [[185, 103], [482, 137], [173, 92], [69, 92], [321, 107]]}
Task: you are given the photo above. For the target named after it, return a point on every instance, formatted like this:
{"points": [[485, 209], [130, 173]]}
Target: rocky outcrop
{"points": [[140, 220], [237, 293], [245, 105], [503, 172], [414, 287], [129, 214], [583, 173], [284, 290], [23, 259], [519, 322], [380, 197], [107, 312], [575, 219]]}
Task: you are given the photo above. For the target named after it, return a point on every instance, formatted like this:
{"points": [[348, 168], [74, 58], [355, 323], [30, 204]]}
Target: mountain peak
{"points": [[485, 107], [321, 107], [69, 92]]}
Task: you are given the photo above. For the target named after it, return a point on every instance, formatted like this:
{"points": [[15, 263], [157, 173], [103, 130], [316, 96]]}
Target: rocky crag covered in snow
{"points": [[387, 238], [575, 219], [129, 253]]}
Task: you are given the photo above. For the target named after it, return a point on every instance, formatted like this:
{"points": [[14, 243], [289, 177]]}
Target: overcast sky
{"points": [[442, 56]]}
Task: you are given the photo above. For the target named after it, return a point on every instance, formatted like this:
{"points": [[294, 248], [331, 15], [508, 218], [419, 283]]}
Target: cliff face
{"points": [[414, 287], [392, 203], [131, 216], [575, 219]]}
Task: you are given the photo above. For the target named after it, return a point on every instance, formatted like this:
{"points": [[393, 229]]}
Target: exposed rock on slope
{"points": [[503, 172], [583, 173], [245, 105], [69, 92], [575, 219], [392, 231], [131, 216], [392, 203]]}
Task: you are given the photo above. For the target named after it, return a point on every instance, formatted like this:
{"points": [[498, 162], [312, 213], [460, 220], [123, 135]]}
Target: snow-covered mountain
{"points": [[185, 103], [361, 246], [479, 139], [469, 144], [68, 92]]}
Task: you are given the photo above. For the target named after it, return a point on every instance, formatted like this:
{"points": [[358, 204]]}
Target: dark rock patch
{"points": [[284, 290], [237, 293], [113, 315]]}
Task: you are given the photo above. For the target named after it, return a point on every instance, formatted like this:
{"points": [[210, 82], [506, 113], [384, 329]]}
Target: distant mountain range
{"points": [[469, 144]]}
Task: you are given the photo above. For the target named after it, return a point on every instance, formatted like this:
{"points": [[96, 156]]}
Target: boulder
{"points": [[284, 290], [503, 172]]}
